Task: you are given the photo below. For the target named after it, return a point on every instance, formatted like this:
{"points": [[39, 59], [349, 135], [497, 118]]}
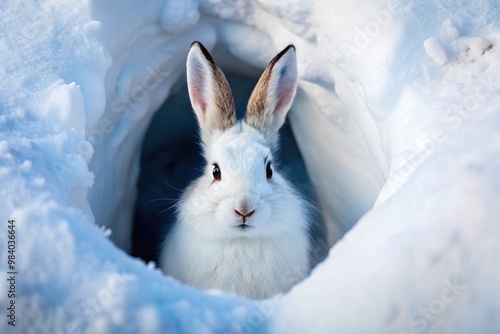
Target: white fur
{"points": [[207, 249]]}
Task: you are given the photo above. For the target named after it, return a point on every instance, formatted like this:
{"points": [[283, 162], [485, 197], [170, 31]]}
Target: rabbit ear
{"points": [[209, 92], [273, 95]]}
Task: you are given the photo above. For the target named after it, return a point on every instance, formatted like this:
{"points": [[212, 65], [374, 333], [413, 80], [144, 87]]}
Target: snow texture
{"points": [[435, 50], [397, 117]]}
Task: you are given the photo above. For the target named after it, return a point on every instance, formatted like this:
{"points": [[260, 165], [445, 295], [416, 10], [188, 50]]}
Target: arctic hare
{"points": [[240, 227]]}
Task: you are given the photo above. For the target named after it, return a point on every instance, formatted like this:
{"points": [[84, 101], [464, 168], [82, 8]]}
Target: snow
{"points": [[396, 117], [435, 50]]}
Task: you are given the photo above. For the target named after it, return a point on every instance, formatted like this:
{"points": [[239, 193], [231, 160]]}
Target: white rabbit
{"points": [[240, 227]]}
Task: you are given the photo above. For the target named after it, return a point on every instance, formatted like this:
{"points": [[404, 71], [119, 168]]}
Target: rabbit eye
{"points": [[216, 172], [269, 171]]}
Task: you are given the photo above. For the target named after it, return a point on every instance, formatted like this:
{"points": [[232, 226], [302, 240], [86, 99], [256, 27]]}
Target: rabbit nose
{"points": [[245, 214]]}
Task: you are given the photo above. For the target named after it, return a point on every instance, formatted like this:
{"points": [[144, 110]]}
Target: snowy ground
{"points": [[396, 117]]}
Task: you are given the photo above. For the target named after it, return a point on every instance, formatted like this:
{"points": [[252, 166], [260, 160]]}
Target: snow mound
{"points": [[396, 117]]}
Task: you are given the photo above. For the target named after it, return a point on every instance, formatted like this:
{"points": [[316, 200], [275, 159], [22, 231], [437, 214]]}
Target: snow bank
{"points": [[398, 107]]}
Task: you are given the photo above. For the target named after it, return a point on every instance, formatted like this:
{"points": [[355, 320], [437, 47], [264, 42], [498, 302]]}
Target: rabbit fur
{"points": [[246, 231]]}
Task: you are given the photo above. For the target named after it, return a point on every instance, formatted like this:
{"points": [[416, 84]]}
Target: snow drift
{"points": [[396, 117]]}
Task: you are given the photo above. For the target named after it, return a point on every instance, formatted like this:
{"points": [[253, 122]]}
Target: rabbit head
{"points": [[240, 194]]}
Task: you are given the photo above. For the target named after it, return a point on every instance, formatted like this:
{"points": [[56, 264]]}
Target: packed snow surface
{"points": [[397, 118]]}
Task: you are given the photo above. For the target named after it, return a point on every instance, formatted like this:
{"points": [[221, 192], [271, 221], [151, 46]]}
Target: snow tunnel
{"points": [[169, 132], [393, 135]]}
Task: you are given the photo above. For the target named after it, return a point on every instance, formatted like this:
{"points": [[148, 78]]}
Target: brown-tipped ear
{"points": [[273, 95], [209, 92]]}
